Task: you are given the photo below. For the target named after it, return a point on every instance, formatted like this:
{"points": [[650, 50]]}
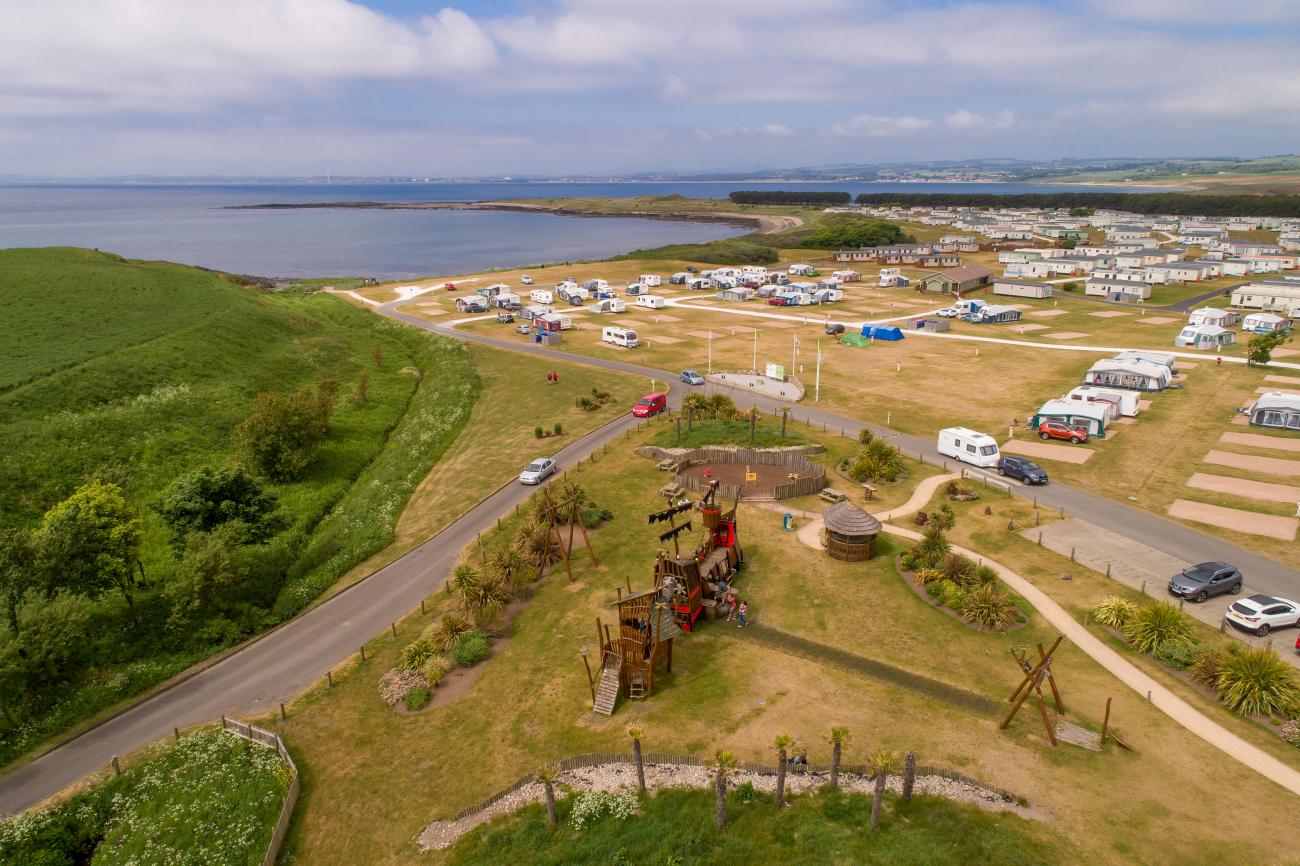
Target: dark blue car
{"points": [[1023, 468]]}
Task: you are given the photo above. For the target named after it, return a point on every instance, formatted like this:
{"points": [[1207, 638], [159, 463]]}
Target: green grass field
{"points": [[210, 798], [676, 827], [136, 372]]}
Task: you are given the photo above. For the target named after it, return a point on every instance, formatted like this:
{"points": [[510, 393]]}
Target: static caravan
{"points": [[1127, 402], [541, 296], [1093, 417], [1204, 337], [968, 446], [1212, 316], [1264, 323], [1128, 375], [650, 280], [846, 276], [1021, 289], [610, 305], [654, 302], [1278, 410], [890, 277], [990, 314], [623, 337]]}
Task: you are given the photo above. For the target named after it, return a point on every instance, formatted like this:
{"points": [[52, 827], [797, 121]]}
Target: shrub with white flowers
{"points": [[591, 805]]}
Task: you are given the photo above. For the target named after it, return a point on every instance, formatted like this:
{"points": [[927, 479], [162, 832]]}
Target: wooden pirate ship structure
{"points": [[687, 588]]}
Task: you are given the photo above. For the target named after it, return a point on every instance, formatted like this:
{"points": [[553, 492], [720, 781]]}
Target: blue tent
{"points": [[882, 332]]}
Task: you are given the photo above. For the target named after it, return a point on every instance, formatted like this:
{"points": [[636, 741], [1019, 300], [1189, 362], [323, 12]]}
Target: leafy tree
{"points": [[1259, 351], [213, 563], [90, 543], [849, 231], [46, 646], [280, 437], [777, 196], [204, 499], [18, 573]]}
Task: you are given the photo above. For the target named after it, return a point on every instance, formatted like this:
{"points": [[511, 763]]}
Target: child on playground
{"points": [[731, 606], [742, 613]]}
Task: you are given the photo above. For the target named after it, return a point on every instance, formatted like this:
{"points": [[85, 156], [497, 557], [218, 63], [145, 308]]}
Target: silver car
{"points": [[537, 471]]}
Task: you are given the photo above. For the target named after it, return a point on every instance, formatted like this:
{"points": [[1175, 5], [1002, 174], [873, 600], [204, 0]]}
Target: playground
{"points": [[757, 481]]}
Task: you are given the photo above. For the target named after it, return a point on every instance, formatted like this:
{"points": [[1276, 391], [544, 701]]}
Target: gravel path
{"points": [[611, 777]]}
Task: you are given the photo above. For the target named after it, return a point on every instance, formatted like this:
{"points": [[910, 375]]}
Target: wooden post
{"points": [[1105, 723], [679, 432], [393, 627], [363, 652], [1042, 711], [117, 768], [785, 415], [1051, 680], [176, 734], [1071, 554], [591, 680], [329, 678], [753, 424], [283, 715], [422, 607]]}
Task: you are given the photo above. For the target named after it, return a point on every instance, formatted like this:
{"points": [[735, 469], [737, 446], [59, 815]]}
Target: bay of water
{"points": [[189, 223]]}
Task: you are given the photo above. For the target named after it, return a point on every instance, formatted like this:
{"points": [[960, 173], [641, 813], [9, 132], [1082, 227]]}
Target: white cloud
{"points": [[1199, 11], [877, 126], [963, 119]]}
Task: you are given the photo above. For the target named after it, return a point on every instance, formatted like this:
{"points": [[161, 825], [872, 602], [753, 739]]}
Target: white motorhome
{"points": [[968, 446], [610, 305], [541, 296], [650, 280], [654, 302], [624, 337]]}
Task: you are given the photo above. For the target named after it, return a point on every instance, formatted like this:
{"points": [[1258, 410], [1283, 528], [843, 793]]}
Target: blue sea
{"points": [[189, 223]]}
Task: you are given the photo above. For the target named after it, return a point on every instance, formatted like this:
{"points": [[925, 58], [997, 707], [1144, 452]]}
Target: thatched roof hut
{"points": [[850, 532]]}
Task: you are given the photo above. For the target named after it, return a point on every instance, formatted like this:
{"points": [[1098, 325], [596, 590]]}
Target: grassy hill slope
{"points": [[137, 372]]}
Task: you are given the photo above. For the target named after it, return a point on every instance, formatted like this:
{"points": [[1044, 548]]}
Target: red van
{"points": [[650, 404]]}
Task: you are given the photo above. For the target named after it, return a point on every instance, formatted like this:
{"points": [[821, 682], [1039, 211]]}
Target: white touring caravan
{"points": [[968, 446], [654, 302], [610, 305], [650, 280], [619, 337], [541, 296]]}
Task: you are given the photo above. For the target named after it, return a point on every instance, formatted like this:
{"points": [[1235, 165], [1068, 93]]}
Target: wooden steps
{"points": [[607, 694]]}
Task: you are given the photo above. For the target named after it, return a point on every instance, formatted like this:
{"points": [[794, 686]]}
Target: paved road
{"points": [[287, 660]]}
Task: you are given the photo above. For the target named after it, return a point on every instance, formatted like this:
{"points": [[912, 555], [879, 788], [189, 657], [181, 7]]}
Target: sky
{"points": [[562, 87]]}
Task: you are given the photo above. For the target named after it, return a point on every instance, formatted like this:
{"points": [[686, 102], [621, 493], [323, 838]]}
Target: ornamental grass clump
{"points": [[444, 635], [417, 698], [1114, 612], [435, 670], [416, 653], [1157, 624], [471, 649], [988, 607], [1256, 681]]}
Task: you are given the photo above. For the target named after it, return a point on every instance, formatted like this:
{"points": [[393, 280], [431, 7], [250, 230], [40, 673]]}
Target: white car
{"points": [[526, 280], [1263, 613], [948, 312], [537, 471]]}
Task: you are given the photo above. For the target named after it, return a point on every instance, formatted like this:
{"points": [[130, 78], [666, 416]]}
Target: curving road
{"points": [[285, 661]]}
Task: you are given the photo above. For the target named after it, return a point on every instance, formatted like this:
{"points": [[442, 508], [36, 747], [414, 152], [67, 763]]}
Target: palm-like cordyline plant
{"points": [[722, 765], [932, 548], [547, 776], [444, 635], [838, 739], [537, 543], [782, 746], [636, 733], [511, 566], [1157, 625], [881, 763], [988, 607], [1255, 681]]}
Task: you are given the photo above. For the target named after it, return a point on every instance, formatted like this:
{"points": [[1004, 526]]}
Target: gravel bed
{"points": [[610, 777]]}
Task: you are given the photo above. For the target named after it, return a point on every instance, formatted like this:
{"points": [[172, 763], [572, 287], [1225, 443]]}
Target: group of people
{"points": [[553, 378], [738, 609]]}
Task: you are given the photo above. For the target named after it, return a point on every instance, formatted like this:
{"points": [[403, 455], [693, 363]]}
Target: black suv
{"points": [[834, 328], [1199, 582], [1021, 467]]}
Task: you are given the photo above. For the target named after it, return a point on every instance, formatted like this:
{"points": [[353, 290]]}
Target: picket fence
{"points": [[271, 740]]}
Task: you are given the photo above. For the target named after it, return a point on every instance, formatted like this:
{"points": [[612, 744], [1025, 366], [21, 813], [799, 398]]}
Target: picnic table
{"points": [[832, 495]]}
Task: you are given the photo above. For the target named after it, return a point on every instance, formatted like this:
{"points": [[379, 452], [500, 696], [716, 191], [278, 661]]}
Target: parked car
{"points": [[692, 269], [505, 317], [1199, 582], [451, 287], [650, 404], [949, 312], [1263, 613], [1071, 433], [779, 301], [537, 471], [526, 280], [690, 377], [523, 328], [1023, 468], [834, 328], [473, 307]]}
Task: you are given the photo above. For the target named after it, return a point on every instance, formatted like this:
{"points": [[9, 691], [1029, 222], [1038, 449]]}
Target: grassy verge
{"points": [[767, 434], [676, 826], [210, 798]]}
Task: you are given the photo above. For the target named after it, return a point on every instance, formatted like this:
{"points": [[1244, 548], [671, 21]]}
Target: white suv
{"points": [[1262, 613]]}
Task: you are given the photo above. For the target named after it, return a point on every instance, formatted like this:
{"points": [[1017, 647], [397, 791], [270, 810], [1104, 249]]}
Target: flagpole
{"points": [[794, 353], [756, 351], [817, 389], [710, 353]]}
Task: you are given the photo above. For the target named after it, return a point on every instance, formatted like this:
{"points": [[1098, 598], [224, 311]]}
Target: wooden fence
{"points": [[597, 759], [271, 740]]}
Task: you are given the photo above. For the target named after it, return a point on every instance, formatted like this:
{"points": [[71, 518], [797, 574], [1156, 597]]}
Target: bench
{"points": [[667, 465], [832, 495]]}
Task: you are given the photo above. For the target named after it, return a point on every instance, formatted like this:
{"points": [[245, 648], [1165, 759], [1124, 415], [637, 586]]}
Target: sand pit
{"points": [[1064, 335], [1267, 525], [1261, 490], [1267, 465], [1255, 440], [1156, 320], [1022, 329], [1045, 313], [1283, 380], [1048, 451], [734, 473], [1109, 314]]}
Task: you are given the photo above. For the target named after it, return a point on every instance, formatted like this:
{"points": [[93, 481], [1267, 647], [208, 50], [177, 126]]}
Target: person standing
{"points": [[742, 613]]}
